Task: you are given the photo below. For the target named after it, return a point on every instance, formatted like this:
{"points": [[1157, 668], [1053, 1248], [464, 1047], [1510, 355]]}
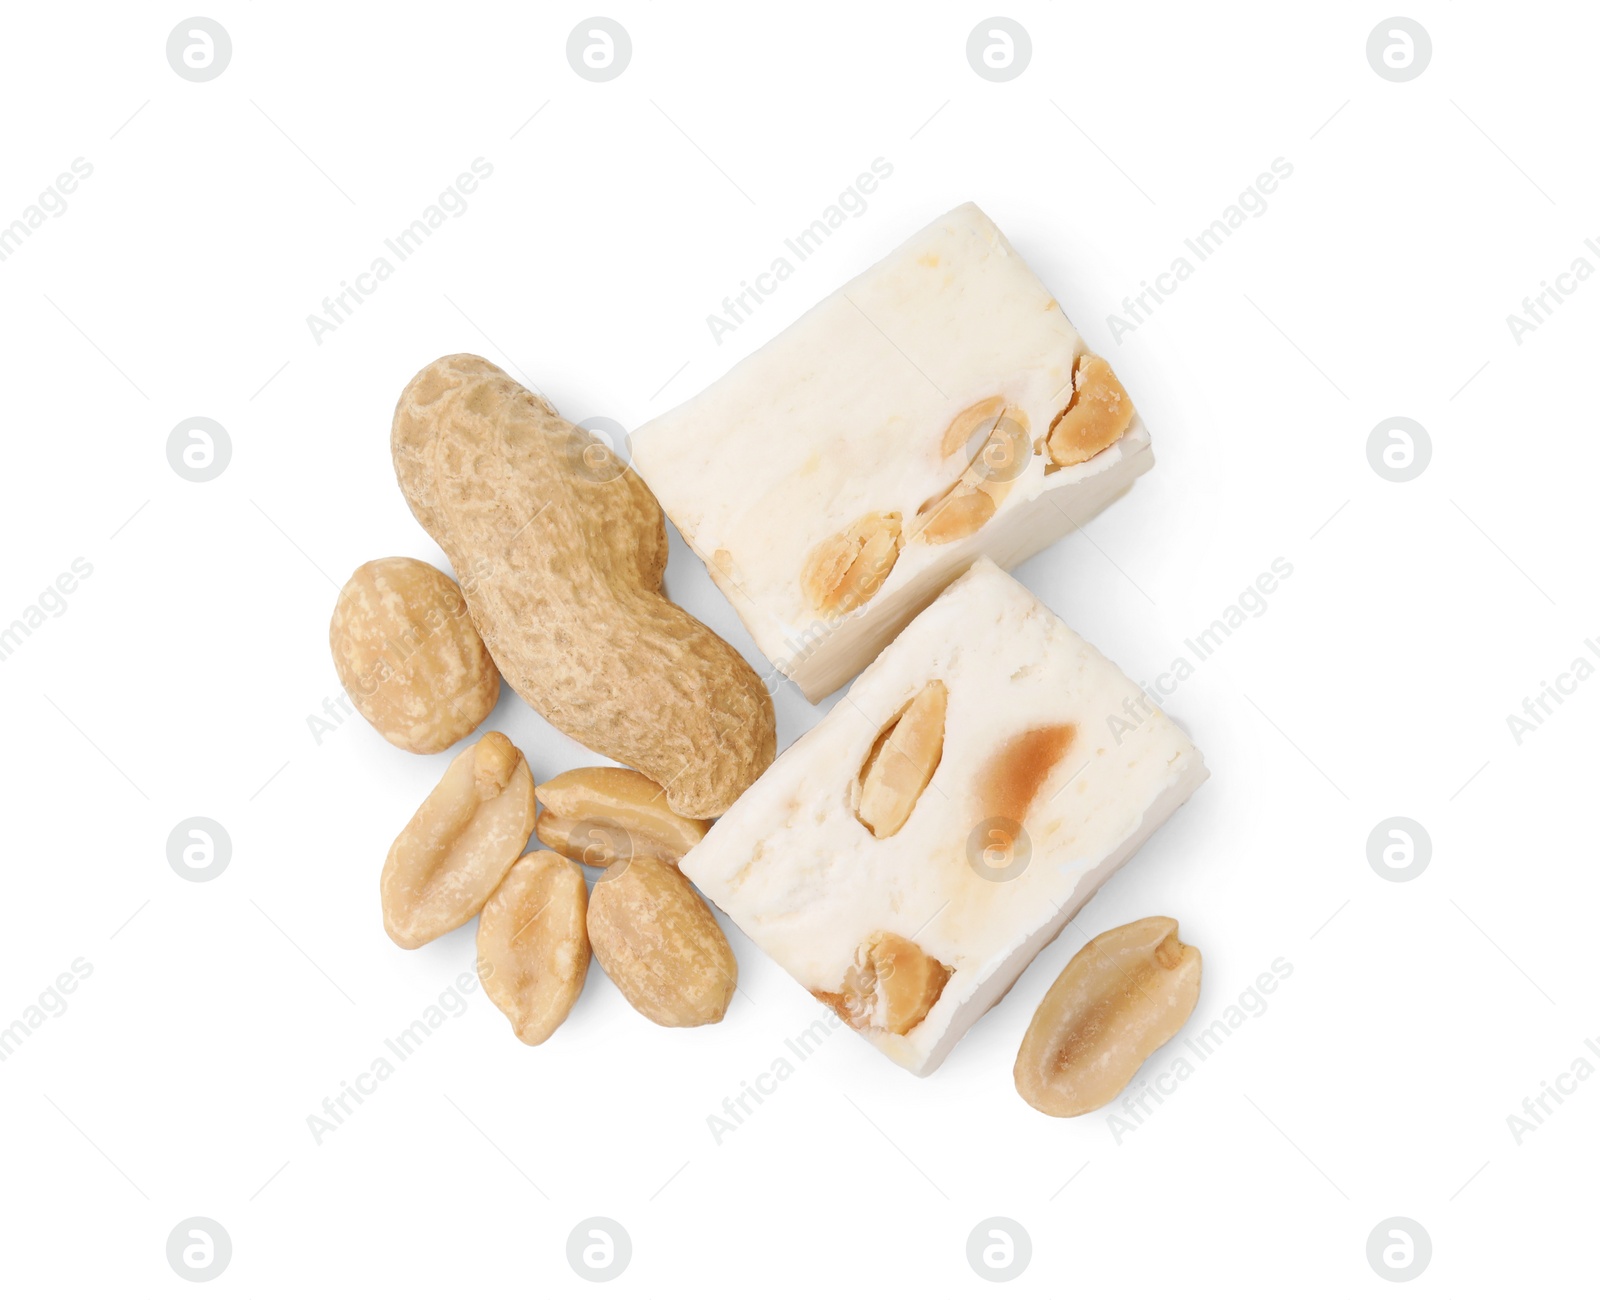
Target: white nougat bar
{"points": [[1026, 738], [848, 413]]}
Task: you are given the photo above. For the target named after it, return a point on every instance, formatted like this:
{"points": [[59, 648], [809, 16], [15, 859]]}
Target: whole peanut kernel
{"points": [[408, 656], [658, 941]]}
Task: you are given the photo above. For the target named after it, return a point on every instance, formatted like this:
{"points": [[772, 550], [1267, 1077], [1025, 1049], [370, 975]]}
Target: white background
{"points": [[179, 679]]}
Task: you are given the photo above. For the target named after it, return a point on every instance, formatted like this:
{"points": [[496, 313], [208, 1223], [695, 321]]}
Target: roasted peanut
{"points": [[459, 845], [958, 512], [845, 571], [978, 418], [1125, 994], [901, 762], [596, 815], [658, 941], [408, 655], [533, 944], [566, 554], [892, 985], [1098, 413]]}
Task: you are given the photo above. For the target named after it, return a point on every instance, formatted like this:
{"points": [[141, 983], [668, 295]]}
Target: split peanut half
{"points": [[599, 815], [970, 502], [1121, 997], [892, 985], [533, 946], [1098, 413], [459, 844], [901, 762], [845, 571]]}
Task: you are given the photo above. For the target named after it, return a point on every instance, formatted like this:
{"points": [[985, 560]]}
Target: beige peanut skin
{"points": [[561, 550], [533, 944], [408, 655], [658, 941], [1123, 995]]}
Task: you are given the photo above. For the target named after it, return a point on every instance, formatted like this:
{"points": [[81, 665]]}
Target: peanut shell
{"points": [[561, 549]]}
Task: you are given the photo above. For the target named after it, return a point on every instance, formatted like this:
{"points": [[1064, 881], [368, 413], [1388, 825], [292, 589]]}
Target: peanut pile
{"points": [[561, 550]]}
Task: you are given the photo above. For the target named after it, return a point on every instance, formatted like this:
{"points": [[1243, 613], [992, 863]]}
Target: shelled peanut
{"points": [[597, 815], [533, 944], [658, 941], [1123, 995], [408, 656], [459, 844]]}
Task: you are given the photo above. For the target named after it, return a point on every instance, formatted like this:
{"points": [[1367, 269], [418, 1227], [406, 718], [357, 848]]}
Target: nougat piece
{"points": [[909, 856], [938, 407]]}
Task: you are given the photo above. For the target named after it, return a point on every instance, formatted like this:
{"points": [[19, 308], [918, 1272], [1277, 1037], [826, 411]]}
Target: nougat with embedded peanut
{"points": [[937, 408]]}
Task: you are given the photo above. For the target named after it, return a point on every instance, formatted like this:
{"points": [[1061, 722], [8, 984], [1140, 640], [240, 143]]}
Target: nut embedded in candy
{"points": [[1097, 414], [902, 761], [1031, 806], [845, 570], [892, 985], [925, 389]]}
